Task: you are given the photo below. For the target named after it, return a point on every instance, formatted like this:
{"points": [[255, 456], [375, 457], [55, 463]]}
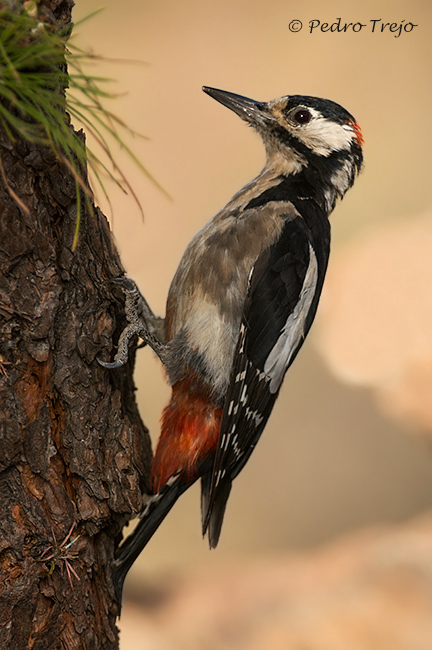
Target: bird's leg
{"points": [[142, 322]]}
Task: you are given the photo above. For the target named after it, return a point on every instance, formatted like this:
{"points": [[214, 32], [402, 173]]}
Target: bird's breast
{"points": [[206, 298]]}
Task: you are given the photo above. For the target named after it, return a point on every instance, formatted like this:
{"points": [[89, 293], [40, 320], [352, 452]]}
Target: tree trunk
{"points": [[74, 454]]}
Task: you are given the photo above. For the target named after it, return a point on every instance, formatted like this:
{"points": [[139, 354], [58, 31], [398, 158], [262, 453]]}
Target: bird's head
{"points": [[304, 134]]}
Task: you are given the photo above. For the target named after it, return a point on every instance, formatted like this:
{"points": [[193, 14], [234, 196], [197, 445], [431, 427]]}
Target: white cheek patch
{"points": [[293, 332], [324, 136]]}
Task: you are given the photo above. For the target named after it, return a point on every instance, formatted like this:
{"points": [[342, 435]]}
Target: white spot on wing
{"points": [[255, 415], [293, 331], [242, 336], [225, 441], [236, 449]]}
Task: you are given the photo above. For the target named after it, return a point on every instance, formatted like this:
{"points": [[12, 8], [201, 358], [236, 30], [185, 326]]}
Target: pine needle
{"points": [[38, 97]]}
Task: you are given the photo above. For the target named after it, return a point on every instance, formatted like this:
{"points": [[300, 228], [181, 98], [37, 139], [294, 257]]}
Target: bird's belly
{"points": [[211, 338]]}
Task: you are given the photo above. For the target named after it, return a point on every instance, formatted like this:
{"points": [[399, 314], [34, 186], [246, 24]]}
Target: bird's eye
{"points": [[302, 117]]}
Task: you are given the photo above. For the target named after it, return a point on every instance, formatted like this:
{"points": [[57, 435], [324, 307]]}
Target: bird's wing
{"points": [[283, 292]]}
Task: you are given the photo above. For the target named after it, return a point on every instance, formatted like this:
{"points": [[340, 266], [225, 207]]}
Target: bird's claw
{"points": [[110, 365], [137, 312], [135, 326]]}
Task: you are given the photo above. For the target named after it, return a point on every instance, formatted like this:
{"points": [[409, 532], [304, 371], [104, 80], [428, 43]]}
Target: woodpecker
{"points": [[240, 306]]}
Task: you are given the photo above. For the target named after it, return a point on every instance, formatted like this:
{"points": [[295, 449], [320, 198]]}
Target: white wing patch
{"points": [[293, 331]]}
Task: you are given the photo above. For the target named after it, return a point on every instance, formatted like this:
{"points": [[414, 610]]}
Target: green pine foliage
{"points": [[43, 86]]}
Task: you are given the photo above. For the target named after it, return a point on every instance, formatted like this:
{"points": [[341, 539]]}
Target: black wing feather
{"points": [[274, 290]]}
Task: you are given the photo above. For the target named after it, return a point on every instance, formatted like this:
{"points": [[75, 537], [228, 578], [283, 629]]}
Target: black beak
{"points": [[248, 109]]}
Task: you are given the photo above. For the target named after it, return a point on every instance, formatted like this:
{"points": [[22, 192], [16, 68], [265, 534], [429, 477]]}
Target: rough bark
{"points": [[73, 450]]}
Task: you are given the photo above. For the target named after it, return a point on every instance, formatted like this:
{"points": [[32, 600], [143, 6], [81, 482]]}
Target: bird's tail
{"points": [[154, 513], [213, 506]]}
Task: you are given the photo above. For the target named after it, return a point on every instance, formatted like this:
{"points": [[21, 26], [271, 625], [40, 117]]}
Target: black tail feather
{"points": [[213, 507], [155, 513]]}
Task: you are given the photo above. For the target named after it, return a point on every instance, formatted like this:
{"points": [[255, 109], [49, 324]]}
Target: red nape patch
{"points": [[189, 433], [358, 133]]}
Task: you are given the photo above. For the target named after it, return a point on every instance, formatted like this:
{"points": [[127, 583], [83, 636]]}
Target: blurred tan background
{"points": [[346, 459]]}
